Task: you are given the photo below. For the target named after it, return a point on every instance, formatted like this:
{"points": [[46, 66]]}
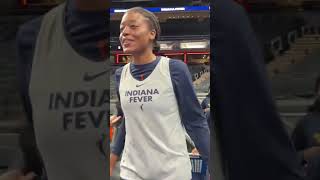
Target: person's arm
{"points": [[17, 175], [204, 103], [310, 153], [118, 142], [119, 139], [117, 146], [190, 141], [26, 40], [299, 138], [192, 115]]}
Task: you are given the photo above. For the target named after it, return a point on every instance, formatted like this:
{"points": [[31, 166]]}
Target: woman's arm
{"points": [[17, 175], [119, 139], [26, 40], [118, 142], [192, 115]]}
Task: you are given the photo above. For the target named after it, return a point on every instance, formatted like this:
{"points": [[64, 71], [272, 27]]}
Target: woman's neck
{"points": [[143, 58]]}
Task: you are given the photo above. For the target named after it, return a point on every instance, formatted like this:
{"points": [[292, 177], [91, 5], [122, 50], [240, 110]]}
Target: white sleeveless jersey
{"points": [[69, 98], [155, 143]]}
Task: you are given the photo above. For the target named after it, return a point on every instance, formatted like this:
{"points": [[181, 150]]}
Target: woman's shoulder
{"points": [[28, 32], [177, 65], [118, 72]]}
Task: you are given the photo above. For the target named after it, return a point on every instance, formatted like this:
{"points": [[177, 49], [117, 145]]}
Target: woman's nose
{"points": [[125, 31]]}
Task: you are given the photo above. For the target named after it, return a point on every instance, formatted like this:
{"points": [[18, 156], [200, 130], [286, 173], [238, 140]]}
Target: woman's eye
{"points": [[133, 26]]}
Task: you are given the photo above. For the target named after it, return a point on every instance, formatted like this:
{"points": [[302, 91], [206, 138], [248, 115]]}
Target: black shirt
{"points": [[254, 143]]}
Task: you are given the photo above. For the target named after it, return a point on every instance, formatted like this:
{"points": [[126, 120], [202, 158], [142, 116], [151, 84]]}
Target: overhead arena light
{"points": [[167, 9], [120, 10], [173, 9], [194, 45]]}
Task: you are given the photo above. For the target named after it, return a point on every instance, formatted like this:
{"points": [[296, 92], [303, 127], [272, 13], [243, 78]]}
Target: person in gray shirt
{"points": [[62, 61]]}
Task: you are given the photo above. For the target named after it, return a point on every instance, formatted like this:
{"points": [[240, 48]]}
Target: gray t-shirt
{"points": [[69, 100]]}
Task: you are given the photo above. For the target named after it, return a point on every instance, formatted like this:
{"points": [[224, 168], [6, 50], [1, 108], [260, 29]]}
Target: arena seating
{"points": [[279, 24]]}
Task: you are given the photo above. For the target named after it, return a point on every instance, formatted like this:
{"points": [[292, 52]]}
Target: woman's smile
{"points": [[127, 43]]}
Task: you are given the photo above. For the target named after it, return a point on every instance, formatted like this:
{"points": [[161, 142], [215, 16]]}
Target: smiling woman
{"points": [[152, 91], [139, 32]]}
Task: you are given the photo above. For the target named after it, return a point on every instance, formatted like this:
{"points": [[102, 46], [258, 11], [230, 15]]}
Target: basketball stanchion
{"points": [[199, 168]]}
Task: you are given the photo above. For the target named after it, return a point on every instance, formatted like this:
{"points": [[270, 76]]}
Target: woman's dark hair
{"points": [[153, 23]]}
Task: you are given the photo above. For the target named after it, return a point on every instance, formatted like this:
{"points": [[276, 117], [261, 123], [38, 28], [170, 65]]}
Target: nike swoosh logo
{"points": [[90, 77], [138, 85]]}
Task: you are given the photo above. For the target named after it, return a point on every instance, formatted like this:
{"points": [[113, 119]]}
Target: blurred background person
{"points": [[306, 137]]}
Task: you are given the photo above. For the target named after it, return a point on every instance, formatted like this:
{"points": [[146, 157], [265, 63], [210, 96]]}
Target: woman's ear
{"points": [[153, 34]]}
